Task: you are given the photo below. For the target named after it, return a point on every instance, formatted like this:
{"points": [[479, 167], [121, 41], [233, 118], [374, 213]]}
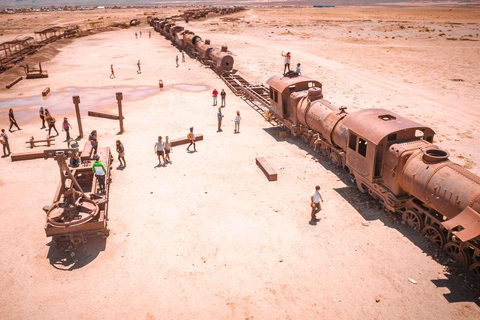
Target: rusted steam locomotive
{"points": [[217, 58], [391, 158]]}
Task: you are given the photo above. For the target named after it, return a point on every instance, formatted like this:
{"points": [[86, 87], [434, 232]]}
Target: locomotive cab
{"points": [[280, 90], [370, 134]]}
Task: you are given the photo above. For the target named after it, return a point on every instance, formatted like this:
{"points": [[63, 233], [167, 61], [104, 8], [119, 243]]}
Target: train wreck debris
{"points": [[79, 210], [12, 52], [35, 73]]}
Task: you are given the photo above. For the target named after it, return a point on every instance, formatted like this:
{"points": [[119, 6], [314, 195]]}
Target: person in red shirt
{"points": [[214, 95]]}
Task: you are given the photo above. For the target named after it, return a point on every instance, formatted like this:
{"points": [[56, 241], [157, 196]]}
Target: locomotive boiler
{"points": [[391, 158]]}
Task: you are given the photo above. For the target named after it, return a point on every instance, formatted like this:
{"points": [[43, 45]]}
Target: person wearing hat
{"points": [[74, 160], [66, 127], [287, 62], [99, 171]]}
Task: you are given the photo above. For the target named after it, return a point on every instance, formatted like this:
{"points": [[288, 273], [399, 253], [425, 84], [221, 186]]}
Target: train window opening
{"points": [[292, 87], [352, 142], [419, 134], [387, 117], [392, 137], [362, 147], [271, 93], [430, 139], [311, 85], [275, 95]]}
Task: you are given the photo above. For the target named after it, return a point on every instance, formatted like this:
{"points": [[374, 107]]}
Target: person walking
{"points": [[168, 149], [149, 34], [183, 56], [214, 95], [139, 69], [176, 60], [219, 118], [12, 120], [112, 74], [191, 137], [237, 122], [66, 127], [121, 154], [159, 149], [223, 94], [51, 122], [315, 204], [41, 114], [5, 144], [287, 62], [93, 141], [99, 171]]}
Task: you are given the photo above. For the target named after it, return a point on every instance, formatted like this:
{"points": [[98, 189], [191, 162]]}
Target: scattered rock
{"points": [[365, 223], [412, 280]]}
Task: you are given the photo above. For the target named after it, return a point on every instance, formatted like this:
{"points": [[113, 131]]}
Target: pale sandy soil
{"points": [[208, 237]]}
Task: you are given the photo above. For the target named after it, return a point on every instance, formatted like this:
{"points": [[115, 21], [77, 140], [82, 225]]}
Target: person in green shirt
{"points": [[99, 171]]}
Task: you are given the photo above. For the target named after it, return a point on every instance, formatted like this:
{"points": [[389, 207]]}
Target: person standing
{"points": [[159, 149], [237, 122], [149, 34], [112, 74], [287, 62], [315, 204], [12, 120], [176, 60], [214, 95], [4, 142], [136, 36], [219, 118], [223, 94], [51, 122], [94, 141], [183, 56], [66, 127], [139, 69], [140, 34], [191, 138], [121, 154], [99, 171], [168, 149], [41, 113]]}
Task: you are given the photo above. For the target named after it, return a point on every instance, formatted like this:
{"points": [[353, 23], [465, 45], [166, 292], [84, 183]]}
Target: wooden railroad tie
{"points": [[27, 155], [14, 82], [103, 115], [46, 91], [266, 168], [180, 141]]}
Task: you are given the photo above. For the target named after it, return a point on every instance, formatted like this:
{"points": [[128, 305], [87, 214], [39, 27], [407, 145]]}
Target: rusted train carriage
{"points": [[391, 158], [79, 211]]}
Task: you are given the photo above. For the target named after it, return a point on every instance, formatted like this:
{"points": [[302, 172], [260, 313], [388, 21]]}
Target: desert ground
{"points": [[208, 236]]}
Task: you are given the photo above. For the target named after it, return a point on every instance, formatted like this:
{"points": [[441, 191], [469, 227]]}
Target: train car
{"points": [[391, 158], [79, 210]]}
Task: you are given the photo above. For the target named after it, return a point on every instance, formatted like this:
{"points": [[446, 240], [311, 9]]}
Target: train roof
{"points": [[280, 83], [376, 124]]}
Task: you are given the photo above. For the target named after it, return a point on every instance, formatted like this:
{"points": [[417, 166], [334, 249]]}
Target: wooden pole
{"points": [[120, 113], [76, 101]]}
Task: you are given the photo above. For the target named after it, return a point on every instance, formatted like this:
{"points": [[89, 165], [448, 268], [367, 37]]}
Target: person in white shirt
{"points": [[168, 149], [159, 150], [298, 69], [315, 204], [237, 123], [287, 62]]}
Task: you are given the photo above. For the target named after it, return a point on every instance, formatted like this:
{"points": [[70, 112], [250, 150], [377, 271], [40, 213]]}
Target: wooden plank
{"points": [[87, 151], [27, 155], [11, 84], [180, 141], [266, 168], [103, 115], [46, 91]]}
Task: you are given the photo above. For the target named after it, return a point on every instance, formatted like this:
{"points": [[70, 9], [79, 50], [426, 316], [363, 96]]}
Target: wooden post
{"points": [[76, 101], [120, 114]]}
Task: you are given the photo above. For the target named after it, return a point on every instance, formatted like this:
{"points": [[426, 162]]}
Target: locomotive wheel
{"points": [[306, 137], [453, 250], [413, 219], [335, 159], [475, 269], [87, 209], [435, 235]]}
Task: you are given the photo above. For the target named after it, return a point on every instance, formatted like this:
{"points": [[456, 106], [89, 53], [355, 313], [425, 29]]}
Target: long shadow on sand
{"points": [[463, 287], [84, 254]]}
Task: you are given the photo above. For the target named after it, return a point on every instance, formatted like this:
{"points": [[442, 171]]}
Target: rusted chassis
{"points": [[65, 235], [391, 158]]}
